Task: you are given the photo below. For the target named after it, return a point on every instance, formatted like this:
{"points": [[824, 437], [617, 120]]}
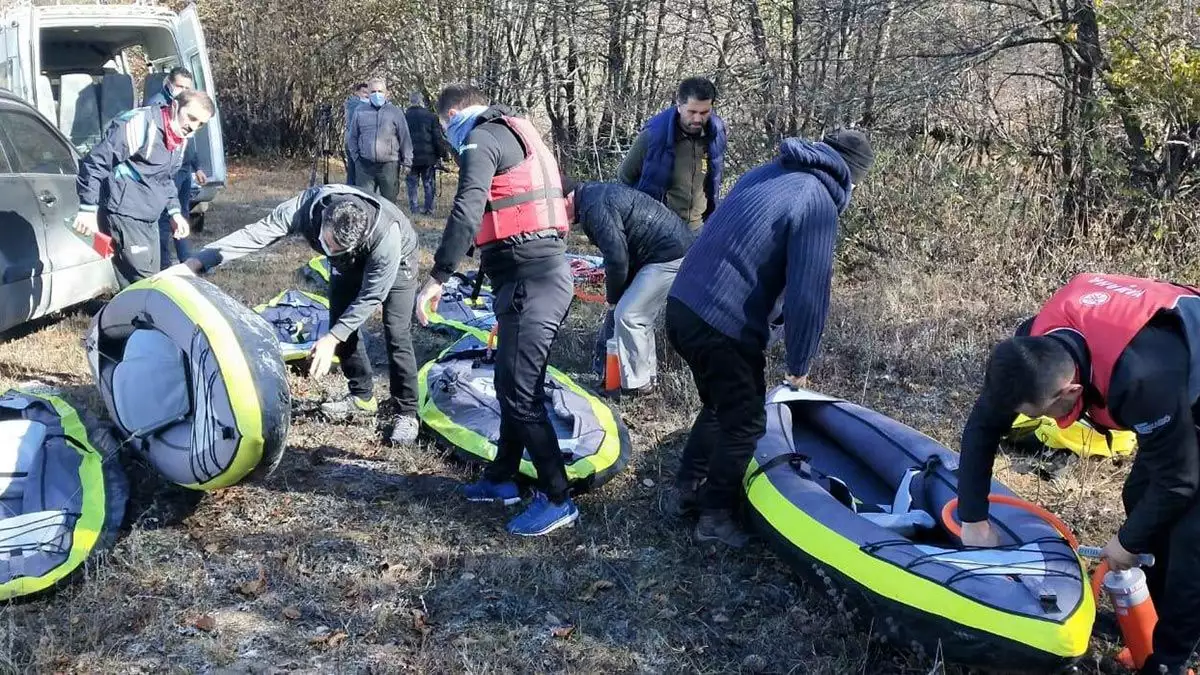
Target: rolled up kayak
{"points": [[194, 380], [457, 313], [1079, 438], [851, 499], [457, 401], [588, 273], [62, 491], [299, 319]]}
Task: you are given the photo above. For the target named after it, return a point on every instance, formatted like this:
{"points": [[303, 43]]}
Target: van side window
{"points": [[197, 72], [5, 167], [36, 148]]}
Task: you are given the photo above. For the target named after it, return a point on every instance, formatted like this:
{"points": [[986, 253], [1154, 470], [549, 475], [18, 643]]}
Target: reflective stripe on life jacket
{"points": [[1107, 311], [528, 197]]}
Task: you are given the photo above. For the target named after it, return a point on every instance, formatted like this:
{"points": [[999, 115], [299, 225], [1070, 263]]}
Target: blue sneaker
{"points": [[484, 490], [543, 517]]}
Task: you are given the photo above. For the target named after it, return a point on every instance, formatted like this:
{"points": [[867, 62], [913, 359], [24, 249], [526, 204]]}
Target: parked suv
{"points": [[44, 265]]}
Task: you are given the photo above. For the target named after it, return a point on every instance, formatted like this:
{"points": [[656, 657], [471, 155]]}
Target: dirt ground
{"points": [[358, 557]]}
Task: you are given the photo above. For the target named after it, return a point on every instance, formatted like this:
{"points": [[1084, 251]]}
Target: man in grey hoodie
{"points": [[379, 143], [373, 252]]}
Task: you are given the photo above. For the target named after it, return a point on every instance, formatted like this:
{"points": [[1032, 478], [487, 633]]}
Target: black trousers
{"points": [[397, 331], [529, 313], [385, 175], [1173, 580], [730, 378], [136, 245]]}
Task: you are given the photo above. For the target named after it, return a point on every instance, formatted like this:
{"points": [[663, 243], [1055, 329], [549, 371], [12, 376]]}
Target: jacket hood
{"points": [[821, 160]]}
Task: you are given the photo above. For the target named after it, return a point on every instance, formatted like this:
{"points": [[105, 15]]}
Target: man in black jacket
{"points": [[1125, 353], [372, 251], [643, 242], [428, 149], [509, 205]]}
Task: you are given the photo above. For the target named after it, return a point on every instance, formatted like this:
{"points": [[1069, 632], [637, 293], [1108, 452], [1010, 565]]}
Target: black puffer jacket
{"points": [[631, 229], [428, 140]]}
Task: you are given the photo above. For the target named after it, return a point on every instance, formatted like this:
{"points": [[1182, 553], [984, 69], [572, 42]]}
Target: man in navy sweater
{"points": [[771, 239]]}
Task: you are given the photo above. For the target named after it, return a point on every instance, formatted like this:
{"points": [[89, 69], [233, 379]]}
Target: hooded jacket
{"points": [[386, 254], [773, 235]]}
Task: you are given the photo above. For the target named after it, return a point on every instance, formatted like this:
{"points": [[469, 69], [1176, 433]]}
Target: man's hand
{"points": [[85, 223], [179, 226], [797, 381], [200, 177], [1118, 558], [979, 534], [322, 355], [431, 294]]}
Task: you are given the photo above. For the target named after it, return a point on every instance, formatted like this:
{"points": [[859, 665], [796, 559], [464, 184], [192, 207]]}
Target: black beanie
{"points": [[854, 147]]}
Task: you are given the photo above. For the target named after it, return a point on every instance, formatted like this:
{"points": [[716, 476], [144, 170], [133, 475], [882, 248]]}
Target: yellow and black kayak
{"points": [[461, 309], [1079, 438], [851, 499], [62, 490], [457, 401]]}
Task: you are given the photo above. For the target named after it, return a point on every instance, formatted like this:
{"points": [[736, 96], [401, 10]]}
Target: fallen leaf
{"points": [[720, 618], [204, 622], [596, 587], [420, 622], [329, 640], [648, 482], [562, 632], [291, 612], [212, 548], [255, 587]]}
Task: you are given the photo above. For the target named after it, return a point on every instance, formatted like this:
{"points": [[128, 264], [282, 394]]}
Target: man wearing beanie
{"points": [[770, 243], [372, 250]]}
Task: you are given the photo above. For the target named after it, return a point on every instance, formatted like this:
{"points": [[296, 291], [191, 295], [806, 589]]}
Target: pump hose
{"points": [[955, 529]]}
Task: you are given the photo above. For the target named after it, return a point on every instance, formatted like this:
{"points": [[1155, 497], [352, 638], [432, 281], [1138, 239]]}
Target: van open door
{"points": [[210, 143], [16, 57]]}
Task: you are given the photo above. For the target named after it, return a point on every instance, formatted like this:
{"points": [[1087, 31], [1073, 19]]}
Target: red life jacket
{"points": [[528, 197], [1107, 311]]}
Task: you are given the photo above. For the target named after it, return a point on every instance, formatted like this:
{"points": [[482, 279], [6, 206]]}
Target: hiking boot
{"points": [[405, 431], [543, 517], [350, 406], [682, 501], [719, 526], [484, 490]]}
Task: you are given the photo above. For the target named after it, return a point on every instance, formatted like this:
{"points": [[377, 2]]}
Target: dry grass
{"points": [[371, 564]]}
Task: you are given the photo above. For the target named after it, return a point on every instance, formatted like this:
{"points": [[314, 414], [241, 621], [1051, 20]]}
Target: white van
{"points": [[81, 65]]}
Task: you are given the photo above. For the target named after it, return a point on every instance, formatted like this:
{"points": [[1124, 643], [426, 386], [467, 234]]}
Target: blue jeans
{"points": [[428, 174], [183, 184]]}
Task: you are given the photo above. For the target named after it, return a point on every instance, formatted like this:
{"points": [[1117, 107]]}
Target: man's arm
{"points": [[352, 136], [380, 274], [631, 167], [255, 236], [1149, 395], [479, 160], [608, 235], [809, 276], [99, 164], [981, 436]]}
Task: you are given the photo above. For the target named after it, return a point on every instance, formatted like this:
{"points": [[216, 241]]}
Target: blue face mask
{"points": [[377, 99]]}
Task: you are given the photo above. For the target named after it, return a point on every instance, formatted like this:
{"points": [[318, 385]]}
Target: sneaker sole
{"points": [[569, 521], [507, 501]]}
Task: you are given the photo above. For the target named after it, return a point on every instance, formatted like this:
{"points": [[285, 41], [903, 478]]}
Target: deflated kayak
{"points": [[457, 401], [299, 319], [457, 313]]}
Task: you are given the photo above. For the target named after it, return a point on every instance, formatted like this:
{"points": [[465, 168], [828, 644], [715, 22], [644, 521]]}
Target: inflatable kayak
{"points": [[193, 379], [1080, 438], [588, 273], [62, 491], [317, 271], [457, 401], [851, 499], [457, 313], [299, 319]]}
